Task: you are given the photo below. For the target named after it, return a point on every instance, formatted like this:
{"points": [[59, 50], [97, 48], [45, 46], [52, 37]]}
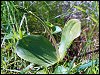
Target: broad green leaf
{"points": [[60, 70], [36, 49], [56, 29], [71, 30], [86, 65]]}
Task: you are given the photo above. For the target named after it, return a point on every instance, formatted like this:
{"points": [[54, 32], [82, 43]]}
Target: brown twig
{"points": [[88, 53], [97, 50]]}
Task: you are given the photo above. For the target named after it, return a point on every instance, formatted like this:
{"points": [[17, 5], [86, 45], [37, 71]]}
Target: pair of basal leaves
{"points": [[37, 49]]}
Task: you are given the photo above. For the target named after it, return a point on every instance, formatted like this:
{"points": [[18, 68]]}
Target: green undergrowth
{"points": [[47, 18]]}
